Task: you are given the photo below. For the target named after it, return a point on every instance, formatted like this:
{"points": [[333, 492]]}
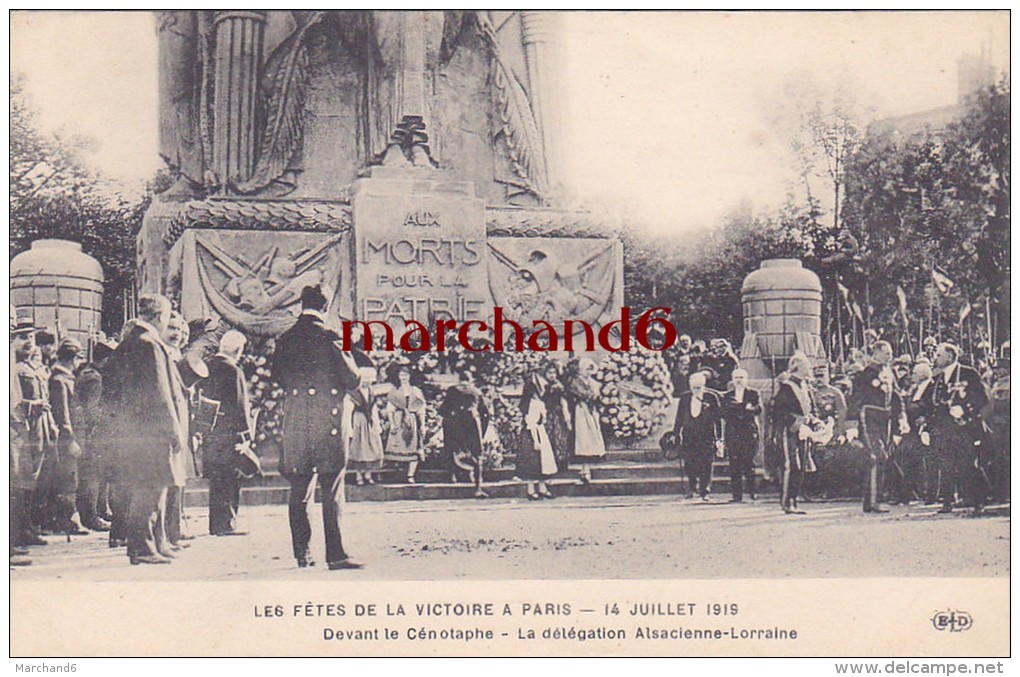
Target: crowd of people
{"points": [[105, 438], [925, 429], [106, 442]]}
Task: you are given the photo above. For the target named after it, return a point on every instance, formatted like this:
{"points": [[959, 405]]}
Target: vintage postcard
{"points": [[510, 333]]}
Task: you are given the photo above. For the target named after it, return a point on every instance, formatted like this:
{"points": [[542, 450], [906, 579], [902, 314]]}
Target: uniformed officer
{"points": [[23, 457], [875, 406], [829, 401], [41, 430], [956, 429], [741, 407], [315, 374], [793, 413], [59, 473]]}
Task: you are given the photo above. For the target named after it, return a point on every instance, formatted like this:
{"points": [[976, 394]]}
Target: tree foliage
{"points": [[54, 194], [936, 197]]}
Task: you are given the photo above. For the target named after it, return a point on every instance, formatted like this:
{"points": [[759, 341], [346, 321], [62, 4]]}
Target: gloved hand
{"points": [[851, 434], [925, 438]]}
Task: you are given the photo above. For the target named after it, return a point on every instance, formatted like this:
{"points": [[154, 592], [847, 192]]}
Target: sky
{"points": [[668, 116]]}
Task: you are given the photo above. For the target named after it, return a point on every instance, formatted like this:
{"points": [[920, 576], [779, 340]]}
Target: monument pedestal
{"points": [[419, 241]]}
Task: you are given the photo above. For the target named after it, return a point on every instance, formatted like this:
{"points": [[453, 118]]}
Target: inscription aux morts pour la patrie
{"points": [[430, 266]]}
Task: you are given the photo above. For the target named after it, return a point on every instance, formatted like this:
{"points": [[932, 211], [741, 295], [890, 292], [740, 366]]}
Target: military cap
{"points": [[68, 348]]}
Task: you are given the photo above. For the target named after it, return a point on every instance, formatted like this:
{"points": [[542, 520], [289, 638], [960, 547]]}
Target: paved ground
{"points": [[626, 537]]}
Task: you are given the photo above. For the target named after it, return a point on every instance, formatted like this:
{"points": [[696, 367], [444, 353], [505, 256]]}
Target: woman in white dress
{"points": [[406, 408], [587, 443], [365, 453], [535, 459]]}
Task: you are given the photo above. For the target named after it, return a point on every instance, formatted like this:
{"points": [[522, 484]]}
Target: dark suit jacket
{"points": [[315, 374], [146, 410], [875, 409], [966, 389], [465, 417], [741, 418], [698, 435], [61, 397], [226, 385], [919, 411]]}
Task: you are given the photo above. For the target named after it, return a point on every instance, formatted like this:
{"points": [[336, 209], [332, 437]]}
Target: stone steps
{"points": [[614, 477]]}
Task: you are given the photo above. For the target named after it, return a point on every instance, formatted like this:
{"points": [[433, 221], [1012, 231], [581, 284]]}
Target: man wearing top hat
{"points": [[315, 374]]}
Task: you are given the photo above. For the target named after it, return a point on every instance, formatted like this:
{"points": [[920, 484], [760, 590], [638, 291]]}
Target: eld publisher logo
{"points": [[953, 621]]}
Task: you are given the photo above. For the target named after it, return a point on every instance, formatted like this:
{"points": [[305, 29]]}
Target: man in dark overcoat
{"points": [[225, 385], [697, 430], [315, 373], [148, 412], [741, 407]]}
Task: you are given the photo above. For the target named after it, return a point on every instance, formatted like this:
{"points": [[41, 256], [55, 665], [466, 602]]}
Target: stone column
{"points": [[541, 37], [239, 37], [412, 71]]}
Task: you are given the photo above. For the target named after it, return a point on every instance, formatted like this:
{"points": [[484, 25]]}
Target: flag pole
{"points": [[839, 323], [988, 319]]}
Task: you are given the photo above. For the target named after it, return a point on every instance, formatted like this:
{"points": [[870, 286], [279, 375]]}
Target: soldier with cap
{"points": [[22, 462], [40, 429], [315, 373], [878, 420], [830, 403], [956, 428], [59, 473]]}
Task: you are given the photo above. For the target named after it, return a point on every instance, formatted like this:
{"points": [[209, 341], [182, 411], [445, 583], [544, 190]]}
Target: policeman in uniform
{"points": [[315, 374], [876, 407], [956, 428], [741, 407]]}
